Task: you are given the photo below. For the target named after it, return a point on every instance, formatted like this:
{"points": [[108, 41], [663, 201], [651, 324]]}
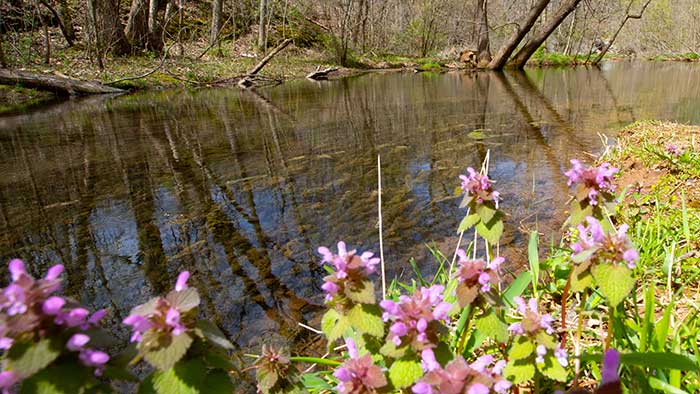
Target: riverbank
{"points": [[660, 169]]}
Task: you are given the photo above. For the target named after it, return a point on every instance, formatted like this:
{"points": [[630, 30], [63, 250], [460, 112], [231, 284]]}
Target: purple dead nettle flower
{"points": [[532, 324], [7, 380], [674, 150], [594, 245], [349, 269], [611, 364], [592, 180], [417, 319], [475, 277], [28, 309], [358, 375], [479, 187], [483, 376], [532, 321], [161, 316]]}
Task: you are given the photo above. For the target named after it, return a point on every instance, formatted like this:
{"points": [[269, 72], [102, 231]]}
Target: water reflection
{"points": [[241, 187]]}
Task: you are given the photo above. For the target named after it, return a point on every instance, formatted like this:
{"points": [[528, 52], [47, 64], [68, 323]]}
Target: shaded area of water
{"points": [[240, 188]]}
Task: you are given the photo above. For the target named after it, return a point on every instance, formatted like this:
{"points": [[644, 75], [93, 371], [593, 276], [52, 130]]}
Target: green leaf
{"points": [[164, 351], [389, 349], [361, 293], [522, 348], [552, 369], [26, 359], [119, 373], [218, 360], [579, 212], [313, 381], [661, 329], [186, 377], [367, 319], [486, 211], [404, 372], [468, 222], [218, 382], [266, 378], [493, 326], [60, 379], [491, 231], [184, 300], [334, 325], [584, 255], [519, 371], [466, 200], [581, 278], [614, 281], [209, 331], [660, 360], [665, 387], [517, 287], [534, 259], [146, 308]]}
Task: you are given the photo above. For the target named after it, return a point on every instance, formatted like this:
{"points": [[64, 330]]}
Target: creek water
{"points": [[240, 188]]}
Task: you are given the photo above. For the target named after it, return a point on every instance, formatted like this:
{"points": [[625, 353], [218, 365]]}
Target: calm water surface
{"points": [[240, 188]]}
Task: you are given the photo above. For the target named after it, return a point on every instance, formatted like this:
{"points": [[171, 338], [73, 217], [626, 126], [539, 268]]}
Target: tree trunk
{"points": [[524, 54], [108, 27], [217, 5], [262, 32], [628, 16], [58, 85], [483, 56], [3, 62], [137, 24], [66, 21], [155, 41], [66, 29], [499, 61]]}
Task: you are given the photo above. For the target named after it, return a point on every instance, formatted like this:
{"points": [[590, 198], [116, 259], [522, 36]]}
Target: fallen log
{"points": [[321, 74], [59, 85], [248, 80]]}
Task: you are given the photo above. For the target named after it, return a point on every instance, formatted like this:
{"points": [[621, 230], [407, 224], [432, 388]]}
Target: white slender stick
{"points": [[379, 209]]}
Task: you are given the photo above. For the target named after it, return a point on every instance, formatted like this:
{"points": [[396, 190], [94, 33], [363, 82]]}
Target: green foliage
{"points": [[31, 357], [163, 351], [614, 281], [404, 372]]}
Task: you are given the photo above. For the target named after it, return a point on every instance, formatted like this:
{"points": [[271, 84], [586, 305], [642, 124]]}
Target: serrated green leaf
{"points": [[486, 211], [118, 373], [492, 231], [146, 308], [579, 212], [493, 326], [404, 372], [334, 325], [313, 381], [584, 255], [361, 293], [519, 371], [163, 351], [389, 349], [267, 379], [26, 359], [184, 300], [218, 382], [367, 319], [581, 278], [547, 340], [522, 348], [60, 379], [184, 378], [551, 368], [210, 332], [218, 360], [468, 222], [614, 281]]}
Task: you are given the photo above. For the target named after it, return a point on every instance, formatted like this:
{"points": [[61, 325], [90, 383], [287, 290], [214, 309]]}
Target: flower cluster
{"points": [[475, 277], [594, 245], [358, 374], [29, 312], [162, 315], [416, 319], [458, 377], [350, 270], [478, 187], [532, 321], [674, 150], [592, 181]]}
